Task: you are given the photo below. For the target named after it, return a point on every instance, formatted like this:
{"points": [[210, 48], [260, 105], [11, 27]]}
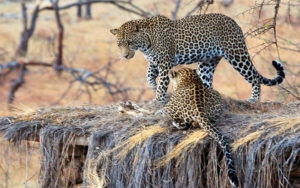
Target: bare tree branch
{"points": [[261, 8], [79, 75], [255, 7], [274, 26], [139, 11], [65, 92], [16, 84], [199, 6], [9, 65], [118, 3], [59, 59], [287, 42], [79, 10], [24, 15], [227, 3], [290, 92], [265, 46], [88, 10], [34, 19], [174, 13], [27, 31]]}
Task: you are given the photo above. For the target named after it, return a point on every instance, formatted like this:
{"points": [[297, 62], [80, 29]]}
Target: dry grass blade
{"points": [[184, 147], [139, 137], [272, 128], [244, 140], [284, 124]]}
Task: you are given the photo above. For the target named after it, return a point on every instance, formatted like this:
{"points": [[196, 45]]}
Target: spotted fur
{"points": [[192, 103], [203, 38]]}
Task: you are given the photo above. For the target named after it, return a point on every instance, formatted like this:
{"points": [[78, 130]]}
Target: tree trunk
{"points": [[79, 10], [23, 46], [88, 11], [26, 32], [59, 58]]}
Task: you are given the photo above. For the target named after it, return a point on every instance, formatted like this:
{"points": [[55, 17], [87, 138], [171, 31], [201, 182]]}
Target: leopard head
{"points": [[131, 37], [183, 77]]}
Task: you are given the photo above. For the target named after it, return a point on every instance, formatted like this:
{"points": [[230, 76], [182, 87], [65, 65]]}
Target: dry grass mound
{"points": [[137, 148]]}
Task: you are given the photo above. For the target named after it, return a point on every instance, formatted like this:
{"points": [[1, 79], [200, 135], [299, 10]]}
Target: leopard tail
{"points": [[280, 75], [217, 135]]}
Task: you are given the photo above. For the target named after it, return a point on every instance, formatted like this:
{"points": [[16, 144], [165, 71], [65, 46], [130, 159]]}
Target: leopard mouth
{"points": [[127, 53], [128, 56]]}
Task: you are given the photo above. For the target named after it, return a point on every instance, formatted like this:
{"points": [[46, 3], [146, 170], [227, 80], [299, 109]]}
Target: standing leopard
{"points": [[203, 38], [193, 103]]}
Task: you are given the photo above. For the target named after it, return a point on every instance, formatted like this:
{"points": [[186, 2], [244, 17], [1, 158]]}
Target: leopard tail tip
{"points": [[278, 65], [280, 75], [280, 71], [233, 179]]}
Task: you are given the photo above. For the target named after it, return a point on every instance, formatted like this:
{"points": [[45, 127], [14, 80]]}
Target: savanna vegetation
{"points": [[71, 58]]}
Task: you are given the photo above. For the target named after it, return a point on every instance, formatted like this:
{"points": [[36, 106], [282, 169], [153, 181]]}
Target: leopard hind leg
{"points": [[207, 69], [241, 62]]}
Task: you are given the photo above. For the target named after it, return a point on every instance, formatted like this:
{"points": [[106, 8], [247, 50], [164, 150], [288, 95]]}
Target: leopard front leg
{"points": [[152, 74], [165, 57], [163, 83]]}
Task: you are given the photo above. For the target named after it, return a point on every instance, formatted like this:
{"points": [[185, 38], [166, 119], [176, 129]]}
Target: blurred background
{"points": [[62, 53]]}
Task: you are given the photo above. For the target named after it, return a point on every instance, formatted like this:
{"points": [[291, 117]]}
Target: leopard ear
{"points": [[172, 74], [114, 31]]}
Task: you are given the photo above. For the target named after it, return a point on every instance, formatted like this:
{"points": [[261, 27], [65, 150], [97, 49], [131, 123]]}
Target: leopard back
{"points": [[190, 94]]}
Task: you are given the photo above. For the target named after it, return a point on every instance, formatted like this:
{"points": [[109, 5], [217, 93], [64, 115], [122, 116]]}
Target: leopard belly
{"points": [[189, 56]]}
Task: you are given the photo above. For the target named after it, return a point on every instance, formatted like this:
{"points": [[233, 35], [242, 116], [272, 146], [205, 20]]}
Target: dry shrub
{"points": [[141, 151]]}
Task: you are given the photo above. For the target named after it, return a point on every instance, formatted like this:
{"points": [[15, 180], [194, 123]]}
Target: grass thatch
{"points": [[144, 150]]}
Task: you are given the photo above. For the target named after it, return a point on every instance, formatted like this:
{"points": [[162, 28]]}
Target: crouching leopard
{"points": [[192, 103], [203, 38]]}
